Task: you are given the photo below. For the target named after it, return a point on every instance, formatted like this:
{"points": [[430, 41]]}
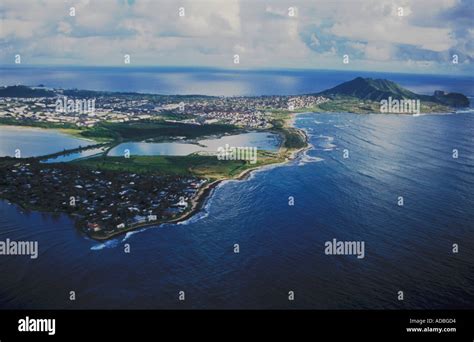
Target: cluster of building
{"points": [[248, 112], [103, 202], [306, 101], [75, 111], [74, 108]]}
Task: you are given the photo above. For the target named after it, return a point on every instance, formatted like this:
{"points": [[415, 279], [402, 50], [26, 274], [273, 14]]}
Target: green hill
{"points": [[380, 89], [450, 99]]}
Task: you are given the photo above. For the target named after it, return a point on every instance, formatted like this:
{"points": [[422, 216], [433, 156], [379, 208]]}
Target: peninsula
{"points": [[110, 195]]}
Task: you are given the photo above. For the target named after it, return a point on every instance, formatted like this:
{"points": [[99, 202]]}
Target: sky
{"points": [[418, 36]]}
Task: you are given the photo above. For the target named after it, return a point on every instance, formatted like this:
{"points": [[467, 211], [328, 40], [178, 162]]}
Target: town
{"points": [[103, 203], [51, 107]]}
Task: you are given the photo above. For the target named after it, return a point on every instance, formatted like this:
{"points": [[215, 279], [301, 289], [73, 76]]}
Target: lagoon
{"points": [[261, 140], [76, 155], [34, 142]]}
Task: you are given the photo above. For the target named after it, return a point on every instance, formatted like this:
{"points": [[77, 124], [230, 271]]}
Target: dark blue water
{"points": [[282, 247], [216, 81]]}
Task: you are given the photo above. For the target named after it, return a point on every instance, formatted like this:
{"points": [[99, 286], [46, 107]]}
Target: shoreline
{"points": [[198, 201], [203, 194]]}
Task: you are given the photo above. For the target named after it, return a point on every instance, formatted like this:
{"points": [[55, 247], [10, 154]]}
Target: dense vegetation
{"points": [[294, 139]]}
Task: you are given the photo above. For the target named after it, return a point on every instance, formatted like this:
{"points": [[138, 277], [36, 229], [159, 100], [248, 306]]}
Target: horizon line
{"points": [[236, 69]]}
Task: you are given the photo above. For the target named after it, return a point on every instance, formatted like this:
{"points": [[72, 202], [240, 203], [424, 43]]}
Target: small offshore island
{"points": [[110, 195]]}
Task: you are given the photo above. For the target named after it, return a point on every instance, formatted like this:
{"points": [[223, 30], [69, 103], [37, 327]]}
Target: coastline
{"points": [[204, 193], [197, 202]]}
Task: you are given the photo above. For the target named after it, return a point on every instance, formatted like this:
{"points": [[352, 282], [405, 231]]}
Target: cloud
{"points": [[64, 27], [380, 51], [314, 41], [370, 31]]}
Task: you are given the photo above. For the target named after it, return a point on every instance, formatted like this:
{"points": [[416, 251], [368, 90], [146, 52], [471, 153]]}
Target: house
{"points": [[152, 218], [94, 227], [121, 226], [139, 219]]}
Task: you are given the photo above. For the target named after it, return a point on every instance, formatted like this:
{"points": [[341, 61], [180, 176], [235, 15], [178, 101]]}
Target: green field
{"points": [[292, 137], [197, 165], [347, 104], [34, 123]]}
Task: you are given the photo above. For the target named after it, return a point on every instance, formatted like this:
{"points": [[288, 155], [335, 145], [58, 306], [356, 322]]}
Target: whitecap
{"points": [[204, 212], [326, 145], [329, 147], [327, 137], [108, 244], [305, 158], [115, 242], [308, 131], [309, 159], [460, 111], [132, 233], [196, 217]]}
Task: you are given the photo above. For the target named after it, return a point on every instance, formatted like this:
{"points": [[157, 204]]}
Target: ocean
{"points": [[216, 82], [282, 247]]}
